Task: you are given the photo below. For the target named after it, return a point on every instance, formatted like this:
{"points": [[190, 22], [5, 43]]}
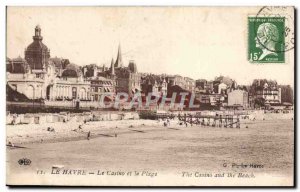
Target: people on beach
{"points": [[168, 121], [191, 121], [165, 124], [89, 135], [50, 129]]}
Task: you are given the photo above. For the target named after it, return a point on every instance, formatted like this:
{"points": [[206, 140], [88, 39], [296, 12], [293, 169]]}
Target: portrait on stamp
{"points": [[266, 40]]}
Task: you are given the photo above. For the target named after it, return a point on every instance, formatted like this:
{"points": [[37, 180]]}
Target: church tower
{"points": [[119, 62]]}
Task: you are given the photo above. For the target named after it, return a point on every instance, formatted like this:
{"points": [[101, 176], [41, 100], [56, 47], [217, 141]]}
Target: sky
{"points": [[197, 42]]}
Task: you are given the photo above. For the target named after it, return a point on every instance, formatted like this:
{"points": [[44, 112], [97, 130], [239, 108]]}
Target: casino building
{"points": [[40, 77]]}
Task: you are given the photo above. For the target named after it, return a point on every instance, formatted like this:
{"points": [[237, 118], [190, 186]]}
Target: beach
{"points": [[148, 145]]}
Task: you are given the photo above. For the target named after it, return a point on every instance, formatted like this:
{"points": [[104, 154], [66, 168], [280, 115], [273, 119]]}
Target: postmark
{"points": [[270, 35]]}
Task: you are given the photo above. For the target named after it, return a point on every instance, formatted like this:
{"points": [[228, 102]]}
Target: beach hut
{"points": [[49, 118], [114, 116], [28, 119], [42, 119], [55, 118], [9, 119]]}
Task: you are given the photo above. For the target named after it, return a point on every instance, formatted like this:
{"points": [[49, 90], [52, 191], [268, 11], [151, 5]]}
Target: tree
{"points": [[259, 102]]}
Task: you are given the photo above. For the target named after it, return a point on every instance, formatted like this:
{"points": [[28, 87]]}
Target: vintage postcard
{"points": [[150, 96]]}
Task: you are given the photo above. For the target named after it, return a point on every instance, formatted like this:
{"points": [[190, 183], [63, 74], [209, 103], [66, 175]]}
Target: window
{"points": [[74, 92]]}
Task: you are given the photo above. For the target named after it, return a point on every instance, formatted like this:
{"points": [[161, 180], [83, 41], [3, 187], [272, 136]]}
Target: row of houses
{"points": [[225, 92], [39, 76]]}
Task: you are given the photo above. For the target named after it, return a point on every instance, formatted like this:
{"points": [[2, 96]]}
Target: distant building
{"points": [[99, 86], [37, 54], [185, 83], [222, 88], [31, 75], [201, 83], [211, 99], [93, 70], [17, 65], [40, 77], [287, 94], [267, 90], [60, 64], [70, 86], [238, 98], [128, 80], [33, 86], [222, 79], [190, 84], [155, 84], [176, 80]]}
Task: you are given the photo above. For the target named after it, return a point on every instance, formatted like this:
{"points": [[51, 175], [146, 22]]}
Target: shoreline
{"points": [[22, 134], [155, 147]]}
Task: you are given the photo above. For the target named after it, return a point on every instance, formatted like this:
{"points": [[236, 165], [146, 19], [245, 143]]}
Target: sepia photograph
{"points": [[147, 96]]}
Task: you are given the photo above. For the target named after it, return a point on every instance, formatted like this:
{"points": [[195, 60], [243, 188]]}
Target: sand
{"points": [[148, 145]]}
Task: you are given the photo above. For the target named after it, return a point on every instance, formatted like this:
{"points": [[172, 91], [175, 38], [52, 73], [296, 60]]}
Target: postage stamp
{"points": [[266, 39], [270, 35]]}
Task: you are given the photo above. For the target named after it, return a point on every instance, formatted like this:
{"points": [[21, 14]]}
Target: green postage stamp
{"points": [[266, 39]]}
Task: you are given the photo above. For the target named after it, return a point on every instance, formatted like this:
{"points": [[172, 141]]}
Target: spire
{"points": [[112, 68], [119, 62], [103, 67]]}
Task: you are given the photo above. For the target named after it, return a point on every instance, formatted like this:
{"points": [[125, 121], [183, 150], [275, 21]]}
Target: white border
{"points": [[4, 3]]}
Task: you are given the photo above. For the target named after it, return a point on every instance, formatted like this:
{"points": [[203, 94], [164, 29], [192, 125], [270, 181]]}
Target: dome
{"points": [[37, 45], [19, 59], [37, 54], [72, 66], [70, 73]]}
